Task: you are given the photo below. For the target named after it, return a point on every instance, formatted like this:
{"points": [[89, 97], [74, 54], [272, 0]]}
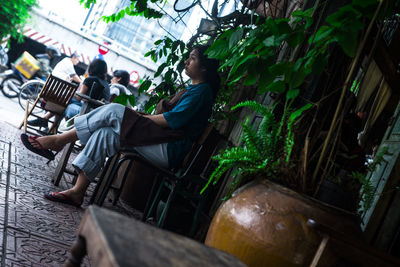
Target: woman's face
{"points": [[115, 79], [193, 69]]}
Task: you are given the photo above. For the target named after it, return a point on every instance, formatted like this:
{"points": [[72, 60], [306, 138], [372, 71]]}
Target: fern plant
{"points": [[265, 151]]}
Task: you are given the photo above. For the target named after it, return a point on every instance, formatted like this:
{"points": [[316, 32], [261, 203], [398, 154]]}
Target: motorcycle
{"points": [[15, 84], [3, 59], [13, 80]]}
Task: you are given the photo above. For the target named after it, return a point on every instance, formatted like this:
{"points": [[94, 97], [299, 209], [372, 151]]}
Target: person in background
{"points": [[65, 69], [97, 73], [119, 84], [44, 61]]}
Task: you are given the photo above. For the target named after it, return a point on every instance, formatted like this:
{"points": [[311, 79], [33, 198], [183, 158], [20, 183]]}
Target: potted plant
{"points": [[270, 229]]}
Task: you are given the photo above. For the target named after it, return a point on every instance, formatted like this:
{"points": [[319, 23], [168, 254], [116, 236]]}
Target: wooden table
{"points": [[111, 239]]}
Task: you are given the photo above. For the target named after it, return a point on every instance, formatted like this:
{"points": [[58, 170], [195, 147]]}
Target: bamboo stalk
{"points": [[340, 103]]}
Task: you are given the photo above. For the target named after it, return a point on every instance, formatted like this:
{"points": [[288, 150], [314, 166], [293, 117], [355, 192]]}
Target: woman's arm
{"points": [[82, 89], [159, 119]]}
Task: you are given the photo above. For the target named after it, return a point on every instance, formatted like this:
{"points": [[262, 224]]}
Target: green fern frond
{"points": [[255, 106], [250, 138]]}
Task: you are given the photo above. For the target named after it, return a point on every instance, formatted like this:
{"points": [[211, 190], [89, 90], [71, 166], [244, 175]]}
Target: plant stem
{"points": [[340, 103]]}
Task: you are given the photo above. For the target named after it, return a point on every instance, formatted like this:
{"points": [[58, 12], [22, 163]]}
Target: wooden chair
{"points": [[89, 104], [191, 171], [54, 97]]}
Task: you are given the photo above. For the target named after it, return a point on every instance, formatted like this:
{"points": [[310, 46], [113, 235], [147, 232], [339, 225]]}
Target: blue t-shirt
{"points": [[191, 114]]}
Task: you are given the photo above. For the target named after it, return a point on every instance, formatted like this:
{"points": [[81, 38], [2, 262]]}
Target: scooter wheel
{"points": [[10, 87]]}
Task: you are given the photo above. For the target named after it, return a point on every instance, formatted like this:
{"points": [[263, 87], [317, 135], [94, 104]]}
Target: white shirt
{"points": [[64, 69], [117, 89]]}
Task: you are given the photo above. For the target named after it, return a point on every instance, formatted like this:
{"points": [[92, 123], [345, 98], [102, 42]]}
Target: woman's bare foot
{"points": [[64, 197], [73, 195], [47, 142], [54, 142]]}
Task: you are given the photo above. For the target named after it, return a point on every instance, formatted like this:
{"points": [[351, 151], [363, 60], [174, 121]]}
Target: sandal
{"points": [[62, 198], [40, 151]]}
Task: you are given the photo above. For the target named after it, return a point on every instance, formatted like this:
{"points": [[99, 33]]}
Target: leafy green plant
{"points": [[172, 54], [136, 8], [124, 99], [13, 16], [265, 151], [248, 55]]}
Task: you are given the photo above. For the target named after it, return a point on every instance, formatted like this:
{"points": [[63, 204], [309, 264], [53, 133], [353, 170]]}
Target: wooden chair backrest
{"points": [[58, 91]]}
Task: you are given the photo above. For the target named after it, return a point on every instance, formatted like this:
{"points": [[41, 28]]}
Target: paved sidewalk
{"points": [[34, 231]]}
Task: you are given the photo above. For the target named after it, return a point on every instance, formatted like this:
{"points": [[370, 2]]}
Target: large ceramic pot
{"points": [[265, 224]]}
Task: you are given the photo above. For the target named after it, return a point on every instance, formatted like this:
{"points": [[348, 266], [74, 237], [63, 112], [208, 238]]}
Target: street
{"points": [[10, 111]]}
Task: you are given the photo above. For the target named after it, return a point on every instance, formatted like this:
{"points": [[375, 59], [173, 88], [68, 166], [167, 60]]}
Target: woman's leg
{"points": [[77, 192], [72, 110], [105, 116], [109, 115], [103, 143]]}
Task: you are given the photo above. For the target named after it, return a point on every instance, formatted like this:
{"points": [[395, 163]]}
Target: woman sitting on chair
{"points": [[97, 74], [97, 71], [163, 139]]}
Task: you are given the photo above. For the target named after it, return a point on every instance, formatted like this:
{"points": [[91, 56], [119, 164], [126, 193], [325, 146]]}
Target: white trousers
{"points": [[99, 130]]}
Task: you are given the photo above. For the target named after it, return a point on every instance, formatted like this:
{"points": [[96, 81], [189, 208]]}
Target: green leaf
{"points": [[125, 99], [168, 75], [148, 53], [294, 115], [283, 27], [279, 68], [252, 75], [181, 66], [298, 64], [292, 94], [321, 34], [296, 38], [265, 79], [348, 42], [344, 14], [218, 49], [319, 63], [277, 86], [158, 42], [174, 46], [160, 69], [235, 37], [270, 41], [364, 3], [297, 78], [306, 15], [145, 86], [239, 73]]}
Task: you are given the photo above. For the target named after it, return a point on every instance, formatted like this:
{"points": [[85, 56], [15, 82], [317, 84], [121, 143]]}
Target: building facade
{"points": [[139, 34]]}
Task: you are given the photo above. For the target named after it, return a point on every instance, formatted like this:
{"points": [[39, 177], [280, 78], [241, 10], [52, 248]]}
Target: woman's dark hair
{"points": [[124, 75], [98, 68], [211, 65]]}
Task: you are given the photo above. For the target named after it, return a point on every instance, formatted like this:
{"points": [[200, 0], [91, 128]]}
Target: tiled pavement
{"points": [[34, 231]]}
